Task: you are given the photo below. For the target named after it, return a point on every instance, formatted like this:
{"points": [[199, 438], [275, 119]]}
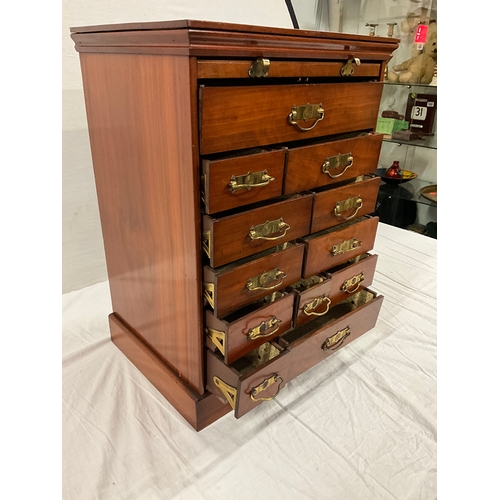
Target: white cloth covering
{"points": [[359, 425]]}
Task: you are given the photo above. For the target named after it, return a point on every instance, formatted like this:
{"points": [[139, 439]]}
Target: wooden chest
{"points": [[234, 171]]}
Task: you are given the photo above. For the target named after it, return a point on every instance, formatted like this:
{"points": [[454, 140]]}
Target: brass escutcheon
{"points": [[352, 284], [306, 112], [260, 68], [264, 385], [345, 246], [309, 308], [260, 282], [348, 68], [249, 180], [336, 340], [265, 230], [261, 330], [349, 204], [342, 160]]}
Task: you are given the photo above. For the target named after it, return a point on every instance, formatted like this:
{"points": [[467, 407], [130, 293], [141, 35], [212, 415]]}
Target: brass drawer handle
{"points": [[345, 246], [260, 331], [348, 68], [260, 282], [355, 282], [260, 68], [262, 387], [265, 230], [345, 160], [336, 340], [309, 308], [249, 181], [306, 112], [346, 205]]}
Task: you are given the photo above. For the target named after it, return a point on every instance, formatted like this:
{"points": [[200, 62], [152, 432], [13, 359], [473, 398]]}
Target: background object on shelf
{"points": [[420, 67], [388, 126], [372, 28], [390, 29], [413, 19], [406, 176], [420, 112], [394, 170], [430, 192], [406, 135]]}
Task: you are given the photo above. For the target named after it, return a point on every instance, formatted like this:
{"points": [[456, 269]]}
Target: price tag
{"points": [[419, 113], [421, 33]]}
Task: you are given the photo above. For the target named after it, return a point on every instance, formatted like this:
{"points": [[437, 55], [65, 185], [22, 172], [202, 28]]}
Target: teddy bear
{"points": [[413, 19], [420, 67]]}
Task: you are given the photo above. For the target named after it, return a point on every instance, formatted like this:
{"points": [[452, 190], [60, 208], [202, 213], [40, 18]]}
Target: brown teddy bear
{"points": [[420, 67]]}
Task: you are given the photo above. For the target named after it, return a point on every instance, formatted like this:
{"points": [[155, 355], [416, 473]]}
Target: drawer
{"points": [[236, 236], [317, 295], [257, 377], [248, 328], [234, 182], [230, 287], [318, 165], [335, 206], [249, 116], [318, 339], [335, 246]]}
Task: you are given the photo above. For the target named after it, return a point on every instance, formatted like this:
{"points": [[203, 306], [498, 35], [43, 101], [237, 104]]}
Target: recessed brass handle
{"points": [[261, 331], [260, 282], [345, 160], [336, 340], [309, 308], [306, 112], [345, 246], [352, 284], [346, 205], [262, 387], [268, 228], [249, 181]]}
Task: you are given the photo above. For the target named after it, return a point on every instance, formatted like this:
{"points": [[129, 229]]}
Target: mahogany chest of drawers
{"points": [[234, 171]]}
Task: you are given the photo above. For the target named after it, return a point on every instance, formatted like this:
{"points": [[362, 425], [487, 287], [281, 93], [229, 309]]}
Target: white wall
{"points": [[83, 261]]}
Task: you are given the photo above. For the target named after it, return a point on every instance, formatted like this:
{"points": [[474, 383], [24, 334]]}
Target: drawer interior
{"points": [[255, 359], [268, 299]]}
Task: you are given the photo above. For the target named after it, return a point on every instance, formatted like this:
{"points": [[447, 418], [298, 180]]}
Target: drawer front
{"points": [[337, 205], [315, 166], [248, 382], [235, 182], [330, 335], [331, 248], [234, 286], [347, 280], [237, 236], [238, 334], [243, 117]]}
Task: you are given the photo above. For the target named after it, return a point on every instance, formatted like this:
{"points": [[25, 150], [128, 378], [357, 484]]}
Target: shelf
{"points": [[407, 191], [410, 85], [429, 142]]}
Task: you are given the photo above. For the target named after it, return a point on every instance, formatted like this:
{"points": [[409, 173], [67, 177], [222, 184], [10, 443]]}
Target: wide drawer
{"points": [[320, 338], [318, 165], [248, 116], [243, 331], [230, 287], [236, 236], [234, 182], [259, 376], [315, 296], [335, 246], [335, 206]]}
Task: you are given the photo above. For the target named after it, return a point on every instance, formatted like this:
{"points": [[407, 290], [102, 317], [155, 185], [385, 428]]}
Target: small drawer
{"points": [[233, 237], [310, 167], [248, 328], [317, 339], [230, 287], [335, 246], [257, 377], [317, 295], [248, 116], [237, 181], [335, 206]]}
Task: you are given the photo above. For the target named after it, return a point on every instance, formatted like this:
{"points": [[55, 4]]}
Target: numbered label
{"points": [[418, 113]]}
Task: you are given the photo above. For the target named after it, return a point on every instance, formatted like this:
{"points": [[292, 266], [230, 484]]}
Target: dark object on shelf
{"points": [[420, 112], [406, 135], [432, 230], [390, 113], [430, 192], [396, 211], [406, 176]]}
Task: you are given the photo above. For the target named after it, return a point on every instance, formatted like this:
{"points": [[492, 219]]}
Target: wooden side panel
{"points": [[199, 411], [364, 193], [140, 113], [305, 164], [241, 117]]}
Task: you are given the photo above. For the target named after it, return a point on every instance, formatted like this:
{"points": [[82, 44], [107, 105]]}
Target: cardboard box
{"points": [[389, 125]]}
